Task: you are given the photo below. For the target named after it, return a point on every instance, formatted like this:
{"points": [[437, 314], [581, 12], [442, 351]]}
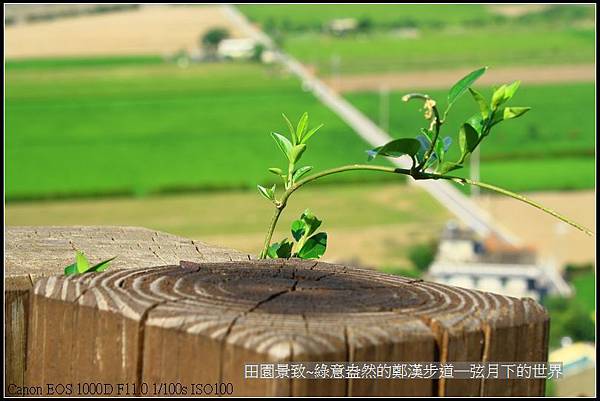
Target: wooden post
{"points": [[201, 323], [34, 252]]}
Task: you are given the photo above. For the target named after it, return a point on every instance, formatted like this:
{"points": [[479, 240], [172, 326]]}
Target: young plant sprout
{"points": [[82, 265], [427, 151]]}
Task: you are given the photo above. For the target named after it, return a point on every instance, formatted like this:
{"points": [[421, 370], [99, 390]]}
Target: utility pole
{"points": [[384, 108], [335, 71]]}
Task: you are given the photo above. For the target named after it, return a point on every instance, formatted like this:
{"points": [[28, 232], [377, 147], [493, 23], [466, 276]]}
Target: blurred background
{"points": [[159, 116]]}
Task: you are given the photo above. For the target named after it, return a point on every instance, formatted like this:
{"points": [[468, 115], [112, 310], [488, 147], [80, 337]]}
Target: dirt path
{"points": [[551, 237], [151, 29], [445, 78]]}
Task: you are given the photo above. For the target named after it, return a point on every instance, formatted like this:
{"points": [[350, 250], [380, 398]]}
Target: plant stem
{"points": [[417, 175], [282, 203], [437, 124], [514, 196], [267, 244]]}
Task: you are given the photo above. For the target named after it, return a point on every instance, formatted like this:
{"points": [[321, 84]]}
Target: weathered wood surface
{"points": [[34, 252], [200, 323]]}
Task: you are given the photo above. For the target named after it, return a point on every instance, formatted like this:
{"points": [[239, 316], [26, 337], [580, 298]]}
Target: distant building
{"points": [[241, 48], [579, 368], [494, 266], [342, 26]]}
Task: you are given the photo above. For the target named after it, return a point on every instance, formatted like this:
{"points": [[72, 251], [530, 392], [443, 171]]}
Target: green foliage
{"points": [[461, 86], [569, 319], [512, 156], [426, 150], [307, 245], [577, 271], [395, 148], [214, 36], [82, 265], [422, 256], [300, 18], [258, 51], [433, 149], [292, 149], [268, 193]]}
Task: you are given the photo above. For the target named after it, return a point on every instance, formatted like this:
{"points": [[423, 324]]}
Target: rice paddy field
{"points": [[84, 130], [80, 129], [418, 37]]}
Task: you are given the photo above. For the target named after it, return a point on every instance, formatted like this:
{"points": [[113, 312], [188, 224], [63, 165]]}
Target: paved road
{"points": [[460, 205]]}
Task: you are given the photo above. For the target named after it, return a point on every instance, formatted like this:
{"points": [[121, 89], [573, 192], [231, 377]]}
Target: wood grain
{"points": [[201, 322], [35, 252]]}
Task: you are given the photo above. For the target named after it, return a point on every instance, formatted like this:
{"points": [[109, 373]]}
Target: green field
{"points": [[82, 131], [302, 17], [295, 17], [494, 46], [369, 224], [551, 147], [585, 289], [448, 36], [78, 62]]}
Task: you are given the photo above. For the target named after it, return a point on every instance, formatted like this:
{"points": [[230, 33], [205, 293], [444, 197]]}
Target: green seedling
{"points": [[307, 245], [427, 150], [82, 265]]}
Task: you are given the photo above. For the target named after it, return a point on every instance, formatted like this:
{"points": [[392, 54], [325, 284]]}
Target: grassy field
{"points": [[309, 16], [114, 129], [447, 36], [585, 288], [302, 17], [551, 147], [372, 225], [78, 62], [493, 46]]}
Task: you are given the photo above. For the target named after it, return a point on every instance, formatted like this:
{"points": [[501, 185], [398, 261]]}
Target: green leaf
{"points": [[291, 128], [296, 152], [483, 106], [100, 267], [300, 172], [310, 133], [283, 143], [298, 229], [439, 151], [314, 247], [311, 221], [82, 263], [514, 112], [498, 97], [302, 125], [396, 148], [276, 171], [461, 86], [510, 90], [446, 167], [467, 138], [281, 249], [508, 113], [268, 193], [476, 121], [71, 270], [428, 133]]}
